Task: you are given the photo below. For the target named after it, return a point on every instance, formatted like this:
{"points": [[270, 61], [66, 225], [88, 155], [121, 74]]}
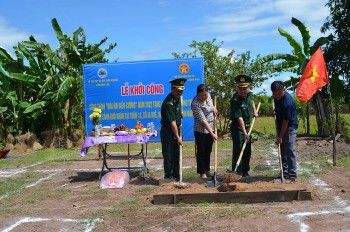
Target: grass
{"points": [[344, 161], [266, 126], [235, 213], [12, 185]]}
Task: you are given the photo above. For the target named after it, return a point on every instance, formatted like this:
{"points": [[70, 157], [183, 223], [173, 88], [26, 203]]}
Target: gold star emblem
{"points": [[314, 75]]}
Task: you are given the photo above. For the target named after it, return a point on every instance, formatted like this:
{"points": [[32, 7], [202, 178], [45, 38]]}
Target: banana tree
{"points": [[296, 63], [68, 59]]}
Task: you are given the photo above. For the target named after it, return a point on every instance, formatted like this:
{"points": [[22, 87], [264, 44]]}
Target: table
{"points": [[120, 139]]}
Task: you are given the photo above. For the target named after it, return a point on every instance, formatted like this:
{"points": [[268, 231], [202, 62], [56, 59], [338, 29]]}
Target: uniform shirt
{"points": [[203, 112], [286, 110], [241, 108], [171, 111]]}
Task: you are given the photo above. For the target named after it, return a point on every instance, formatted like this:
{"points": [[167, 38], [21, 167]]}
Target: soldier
{"points": [[242, 111], [171, 113]]}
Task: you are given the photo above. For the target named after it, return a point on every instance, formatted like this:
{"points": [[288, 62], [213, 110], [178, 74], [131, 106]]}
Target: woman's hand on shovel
{"points": [[179, 141]]}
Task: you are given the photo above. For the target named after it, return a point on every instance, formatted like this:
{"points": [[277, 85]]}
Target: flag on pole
{"points": [[314, 77]]}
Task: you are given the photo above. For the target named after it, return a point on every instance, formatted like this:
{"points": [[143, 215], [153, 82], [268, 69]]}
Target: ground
{"points": [[65, 196]]}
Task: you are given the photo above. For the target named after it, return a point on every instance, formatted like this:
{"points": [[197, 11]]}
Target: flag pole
{"points": [[333, 127]]}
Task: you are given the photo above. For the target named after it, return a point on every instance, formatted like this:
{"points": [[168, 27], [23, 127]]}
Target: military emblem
{"points": [[184, 68]]}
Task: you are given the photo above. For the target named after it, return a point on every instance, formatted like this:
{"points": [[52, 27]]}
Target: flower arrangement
{"points": [[95, 116]]}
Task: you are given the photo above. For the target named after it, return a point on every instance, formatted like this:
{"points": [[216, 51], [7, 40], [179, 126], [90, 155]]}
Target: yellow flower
{"points": [[95, 116], [97, 110]]}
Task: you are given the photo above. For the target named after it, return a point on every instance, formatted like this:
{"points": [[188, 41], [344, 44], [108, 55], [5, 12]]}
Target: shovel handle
{"points": [[279, 146], [180, 147], [216, 142], [245, 141]]}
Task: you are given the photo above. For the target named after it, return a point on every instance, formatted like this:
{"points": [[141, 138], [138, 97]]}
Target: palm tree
{"points": [[296, 63]]}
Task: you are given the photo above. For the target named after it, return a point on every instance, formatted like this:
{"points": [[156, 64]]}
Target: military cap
{"points": [[178, 83], [243, 80]]}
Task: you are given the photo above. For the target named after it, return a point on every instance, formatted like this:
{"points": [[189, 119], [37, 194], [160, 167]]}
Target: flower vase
{"points": [[98, 129]]}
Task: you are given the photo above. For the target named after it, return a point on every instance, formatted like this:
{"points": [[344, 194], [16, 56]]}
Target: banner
{"points": [[128, 92]]}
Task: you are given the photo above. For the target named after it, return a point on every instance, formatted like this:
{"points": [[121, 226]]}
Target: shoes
{"points": [[203, 176], [246, 174], [208, 174], [285, 175]]}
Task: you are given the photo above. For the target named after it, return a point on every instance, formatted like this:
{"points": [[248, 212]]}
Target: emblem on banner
{"points": [[102, 73], [184, 68]]}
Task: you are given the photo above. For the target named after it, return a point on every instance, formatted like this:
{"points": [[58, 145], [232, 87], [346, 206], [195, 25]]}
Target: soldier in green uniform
{"points": [[171, 113], [242, 111]]}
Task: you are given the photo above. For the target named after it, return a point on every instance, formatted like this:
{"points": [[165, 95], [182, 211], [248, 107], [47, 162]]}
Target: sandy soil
{"points": [[66, 197]]}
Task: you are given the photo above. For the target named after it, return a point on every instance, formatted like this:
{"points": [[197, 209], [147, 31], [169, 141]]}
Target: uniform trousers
{"points": [[171, 153], [238, 141]]}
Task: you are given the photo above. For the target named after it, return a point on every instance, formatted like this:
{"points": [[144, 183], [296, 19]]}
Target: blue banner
{"points": [[128, 92]]}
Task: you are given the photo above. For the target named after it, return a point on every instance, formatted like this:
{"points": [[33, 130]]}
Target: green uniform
{"points": [[171, 111], [241, 107]]}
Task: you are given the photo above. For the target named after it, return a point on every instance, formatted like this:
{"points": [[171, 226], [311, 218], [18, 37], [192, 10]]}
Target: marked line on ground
{"points": [[342, 204], [9, 173], [89, 224]]}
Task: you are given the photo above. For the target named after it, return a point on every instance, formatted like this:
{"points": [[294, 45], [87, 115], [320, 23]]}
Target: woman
{"points": [[203, 114]]}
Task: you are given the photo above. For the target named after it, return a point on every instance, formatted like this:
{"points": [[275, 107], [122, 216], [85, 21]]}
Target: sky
{"points": [[153, 29]]}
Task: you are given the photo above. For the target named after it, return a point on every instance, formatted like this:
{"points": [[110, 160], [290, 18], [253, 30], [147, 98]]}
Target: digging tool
{"points": [[279, 149], [180, 184], [214, 182], [280, 160], [234, 176]]}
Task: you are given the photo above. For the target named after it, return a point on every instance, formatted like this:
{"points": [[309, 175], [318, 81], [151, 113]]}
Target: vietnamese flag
{"points": [[314, 77]]}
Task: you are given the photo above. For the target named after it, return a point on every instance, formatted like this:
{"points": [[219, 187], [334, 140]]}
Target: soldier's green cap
{"points": [[243, 80], [178, 83]]}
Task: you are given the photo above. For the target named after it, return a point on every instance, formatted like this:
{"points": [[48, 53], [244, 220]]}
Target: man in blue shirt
{"points": [[287, 128]]}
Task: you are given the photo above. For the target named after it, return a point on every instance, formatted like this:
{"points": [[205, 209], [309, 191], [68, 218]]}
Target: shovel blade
{"points": [[214, 182]]}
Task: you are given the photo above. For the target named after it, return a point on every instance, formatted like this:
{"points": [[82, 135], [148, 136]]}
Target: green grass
{"points": [[47, 156], [190, 173], [12, 185], [344, 161], [266, 125]]}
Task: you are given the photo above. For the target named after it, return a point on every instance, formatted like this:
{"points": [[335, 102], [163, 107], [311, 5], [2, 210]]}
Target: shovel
{"points": [[279, 149], [235, 176], [214, 182], [280, 159], [180, 184]]}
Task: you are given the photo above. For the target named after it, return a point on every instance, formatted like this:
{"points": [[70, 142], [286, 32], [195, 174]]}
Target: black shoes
{"points": [[245, 174]]}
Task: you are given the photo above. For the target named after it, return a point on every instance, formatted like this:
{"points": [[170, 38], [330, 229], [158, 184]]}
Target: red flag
{"points": [[314, 77]]}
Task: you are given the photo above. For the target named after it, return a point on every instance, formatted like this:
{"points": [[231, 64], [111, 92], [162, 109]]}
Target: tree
{"points": [[337, 51], [68, 59], [41, 88], [219, 73], [296, 63]]}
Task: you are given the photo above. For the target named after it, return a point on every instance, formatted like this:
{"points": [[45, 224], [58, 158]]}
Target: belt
{"points": [[247, 125]]}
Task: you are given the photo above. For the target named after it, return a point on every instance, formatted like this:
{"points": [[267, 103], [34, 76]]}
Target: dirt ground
{"points": [[65, 196]]}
